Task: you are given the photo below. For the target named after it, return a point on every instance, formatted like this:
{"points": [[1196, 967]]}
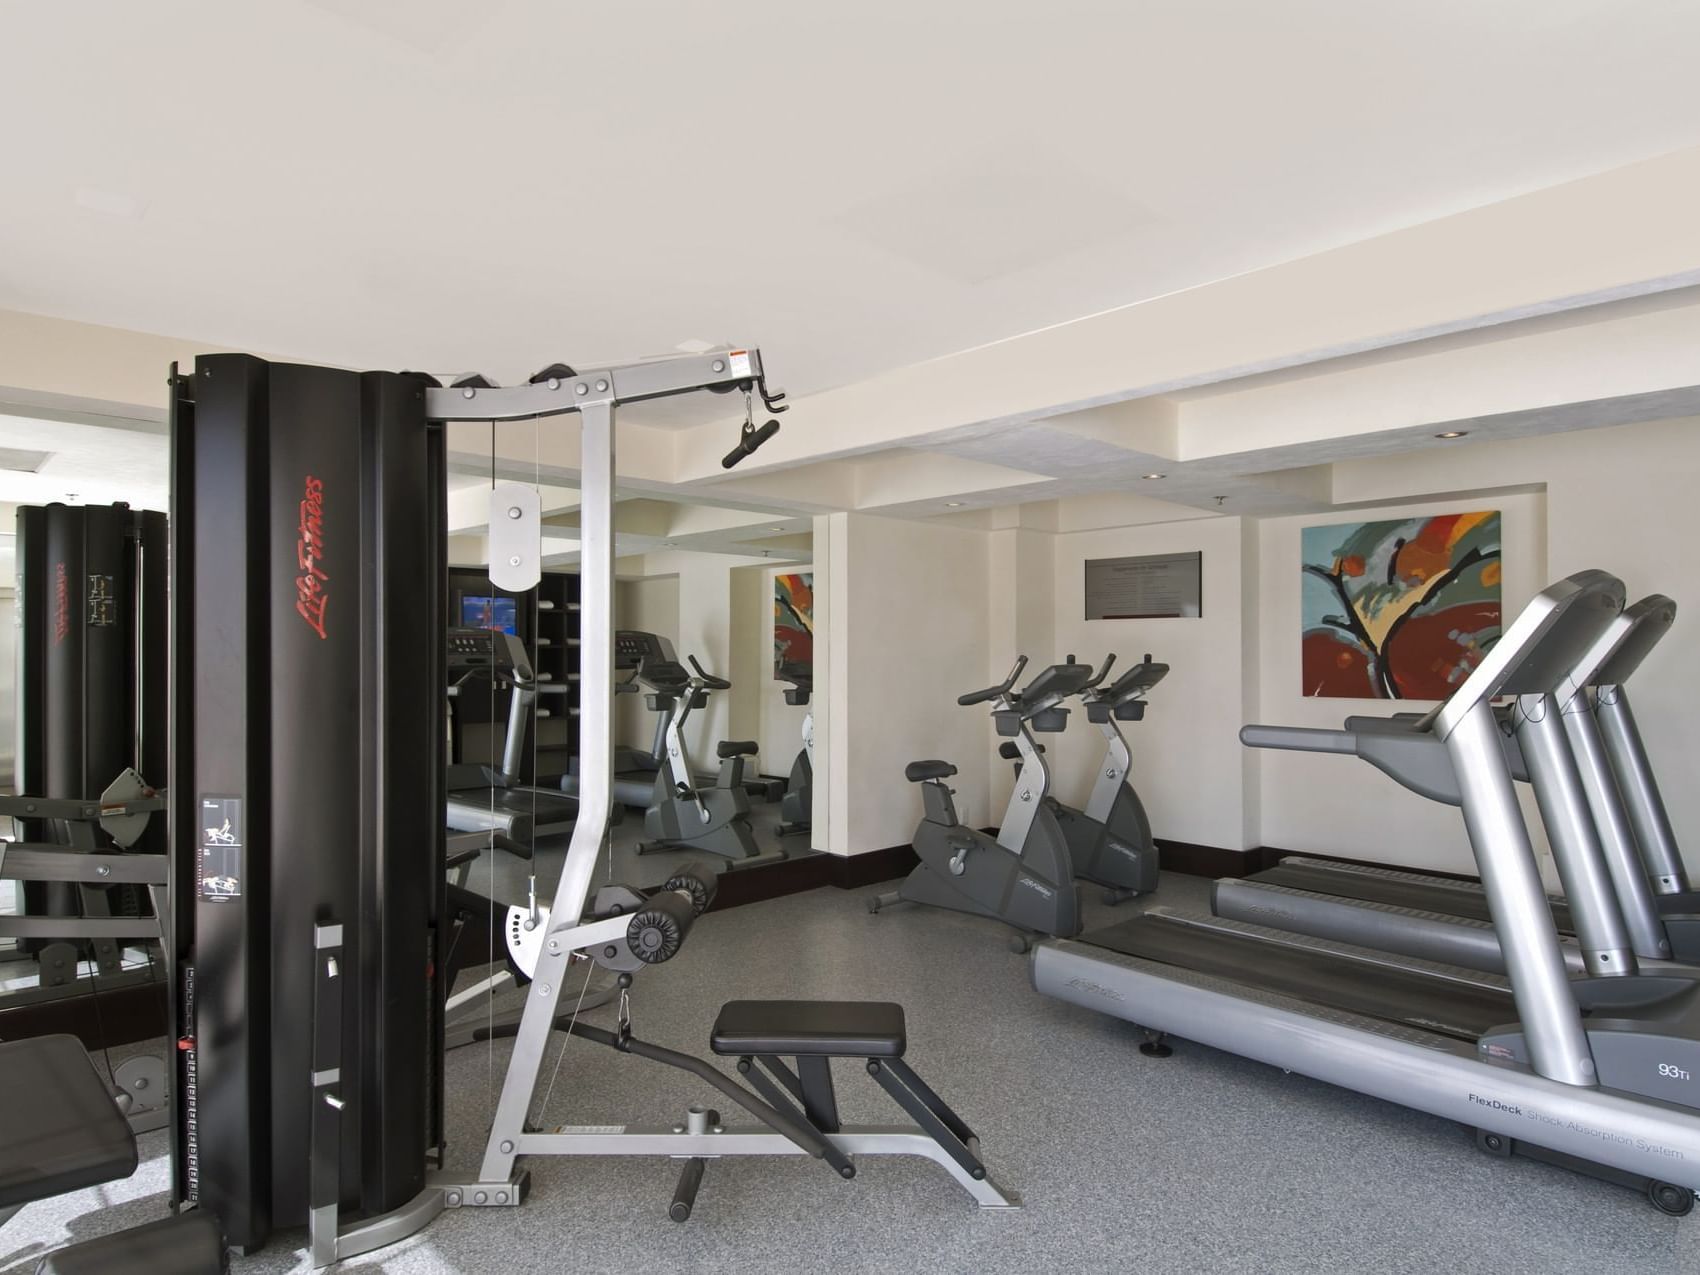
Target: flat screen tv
{"points": [[490, 613]]}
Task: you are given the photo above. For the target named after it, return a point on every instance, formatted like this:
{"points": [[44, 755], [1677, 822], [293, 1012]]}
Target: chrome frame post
{"points": [[1647, 934], [1600, 927], [1528, 936], [1660, 855]]}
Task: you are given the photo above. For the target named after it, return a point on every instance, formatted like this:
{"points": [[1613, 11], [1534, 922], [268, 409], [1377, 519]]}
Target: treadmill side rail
{"points": [[1414, 1069]]}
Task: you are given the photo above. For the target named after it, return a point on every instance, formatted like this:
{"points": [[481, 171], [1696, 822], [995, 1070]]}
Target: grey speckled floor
{"points": [[1200, 1162]]}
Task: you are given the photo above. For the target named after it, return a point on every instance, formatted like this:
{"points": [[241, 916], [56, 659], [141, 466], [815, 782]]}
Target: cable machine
{"points": [[308, 843], [91, 702]]}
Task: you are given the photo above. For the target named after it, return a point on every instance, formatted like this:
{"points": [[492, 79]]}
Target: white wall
{"points": [[909, 613], [1337, 805], [1621, 498], [1187, 759], [651, 605]]}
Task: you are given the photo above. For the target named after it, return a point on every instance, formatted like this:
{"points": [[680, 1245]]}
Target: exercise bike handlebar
{"points": [[994, 692], [708, 679], [1101, 674]]}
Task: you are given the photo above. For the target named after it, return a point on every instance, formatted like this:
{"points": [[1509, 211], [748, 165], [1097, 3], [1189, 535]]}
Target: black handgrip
{"points": [[709, 679], [1103, 671], [657, 931], [992, 692], [685, 1194], [751, 440]]}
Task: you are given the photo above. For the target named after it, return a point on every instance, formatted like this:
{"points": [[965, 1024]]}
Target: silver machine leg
{"points": [[1600, 928], [1660, 853], [1546, 1007]]}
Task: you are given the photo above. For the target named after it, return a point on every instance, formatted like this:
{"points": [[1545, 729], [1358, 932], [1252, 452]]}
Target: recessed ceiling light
{"points": [[776, 528], [1153, 475], [1453, 433], [953, 504], [668, 544]]}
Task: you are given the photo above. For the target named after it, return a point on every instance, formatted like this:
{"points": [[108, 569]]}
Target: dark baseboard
{"points": [[810, 872], [849, 872], [118, 1016], [1272, 856], [739, 886], [1208, 861], [857, 870]]}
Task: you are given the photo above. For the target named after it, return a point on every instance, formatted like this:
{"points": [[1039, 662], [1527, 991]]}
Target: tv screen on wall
{"points": [[490, 613]]}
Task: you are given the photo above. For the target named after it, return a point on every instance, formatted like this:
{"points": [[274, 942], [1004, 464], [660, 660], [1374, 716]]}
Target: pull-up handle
{"points": [[748, 441], [993, 692], [1300, 739], [708, 679]]}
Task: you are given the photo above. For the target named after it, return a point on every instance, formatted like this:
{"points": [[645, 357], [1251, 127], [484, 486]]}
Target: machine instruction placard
{"points": [[221, 848], [1157, 586]]}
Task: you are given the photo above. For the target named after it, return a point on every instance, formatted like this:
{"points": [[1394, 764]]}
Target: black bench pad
{"points": [[188, 1244], [916, 771], [727, 748], [832, 1029], [60, 1127]]}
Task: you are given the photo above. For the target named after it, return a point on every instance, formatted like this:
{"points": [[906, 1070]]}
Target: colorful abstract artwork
{"points": [[794, 619], [1401, 609]]}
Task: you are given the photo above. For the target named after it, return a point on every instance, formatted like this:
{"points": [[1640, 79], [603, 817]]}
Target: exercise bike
{"points": [[682, 812], [1024, 876], [796, 808], [1110, 840]]}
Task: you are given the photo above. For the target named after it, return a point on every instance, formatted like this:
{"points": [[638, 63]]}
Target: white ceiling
{"points": [[86, 464], [860, 187]]}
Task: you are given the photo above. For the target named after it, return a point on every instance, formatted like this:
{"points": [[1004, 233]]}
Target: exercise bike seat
{"points": [[917, 771], [729, 748], [1009, 751], [63, 1129]]}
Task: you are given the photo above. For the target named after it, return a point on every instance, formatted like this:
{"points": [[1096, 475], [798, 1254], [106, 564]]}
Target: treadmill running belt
{"points": [[1469, 903], [1386, 992]]}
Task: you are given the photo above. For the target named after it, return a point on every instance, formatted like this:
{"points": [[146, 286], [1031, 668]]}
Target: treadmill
{"points": [[1626, 830], [483, 798], [1600, 1074]]}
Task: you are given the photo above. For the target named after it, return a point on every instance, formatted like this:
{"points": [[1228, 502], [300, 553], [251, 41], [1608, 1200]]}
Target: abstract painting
{"points": [[794, 619], [1403, 609]]}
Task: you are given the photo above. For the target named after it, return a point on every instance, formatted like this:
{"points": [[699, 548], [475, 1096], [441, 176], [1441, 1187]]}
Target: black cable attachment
{"points": [[750, 439]]}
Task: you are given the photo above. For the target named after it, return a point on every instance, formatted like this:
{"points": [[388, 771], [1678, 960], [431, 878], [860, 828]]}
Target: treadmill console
{"points": [[472, 649], [652, 656]]}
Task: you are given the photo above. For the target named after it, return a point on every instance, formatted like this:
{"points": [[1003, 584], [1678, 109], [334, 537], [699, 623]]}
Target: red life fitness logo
{"points": [[61, 604], [311, 591]]}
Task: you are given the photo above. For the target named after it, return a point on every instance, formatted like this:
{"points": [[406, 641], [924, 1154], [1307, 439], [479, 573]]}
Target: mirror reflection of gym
{"points": [[713, 712]]}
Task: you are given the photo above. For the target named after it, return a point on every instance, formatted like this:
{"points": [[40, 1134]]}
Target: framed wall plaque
{"points": [[1153, 586]]}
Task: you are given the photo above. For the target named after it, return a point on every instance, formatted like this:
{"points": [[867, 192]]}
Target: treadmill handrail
{"points": [[1300, 739], [1541, 646]]}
